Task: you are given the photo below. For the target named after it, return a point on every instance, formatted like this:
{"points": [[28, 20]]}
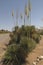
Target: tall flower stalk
{"points": [[17, 18]]}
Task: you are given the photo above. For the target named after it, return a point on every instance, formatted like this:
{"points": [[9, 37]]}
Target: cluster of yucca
{"points": [[20, 45]]}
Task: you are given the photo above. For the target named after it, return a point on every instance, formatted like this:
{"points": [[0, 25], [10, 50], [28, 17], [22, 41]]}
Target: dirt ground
{"points": [[4, 39]]}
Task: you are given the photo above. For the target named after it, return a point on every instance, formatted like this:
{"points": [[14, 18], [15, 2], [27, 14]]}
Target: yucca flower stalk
{"points": [[13, 16], [13, 13], [29, 8], [17, 18], [29, 5], [26, 11], [21, 16], [24, 19]]}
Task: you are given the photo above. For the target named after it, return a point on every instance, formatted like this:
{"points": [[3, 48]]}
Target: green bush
{"points": [[31, 44], [14, 55], [36, 37], [41, 32], [24, 43], [27, 44], [9, 56], [20, 45]]}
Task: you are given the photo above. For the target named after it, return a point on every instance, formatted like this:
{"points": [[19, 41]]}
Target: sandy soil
{"points": [[4, 39]]}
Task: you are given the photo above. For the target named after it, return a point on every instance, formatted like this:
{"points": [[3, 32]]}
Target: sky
{"points": [[7, 22]]}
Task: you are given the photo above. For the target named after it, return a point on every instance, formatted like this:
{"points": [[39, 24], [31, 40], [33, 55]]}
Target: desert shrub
{"points": [[14, 55], [9, 56], [31, 44], [41, 32], [24, 43], [20, 45], [36, 37], [27, 44]]}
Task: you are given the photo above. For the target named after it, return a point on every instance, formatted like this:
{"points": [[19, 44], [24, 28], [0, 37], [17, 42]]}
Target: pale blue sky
{"points": [[6, 6]]}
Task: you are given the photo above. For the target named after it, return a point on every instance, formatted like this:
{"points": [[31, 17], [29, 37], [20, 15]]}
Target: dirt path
{"points": [[36, 52], [4, 39]]}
